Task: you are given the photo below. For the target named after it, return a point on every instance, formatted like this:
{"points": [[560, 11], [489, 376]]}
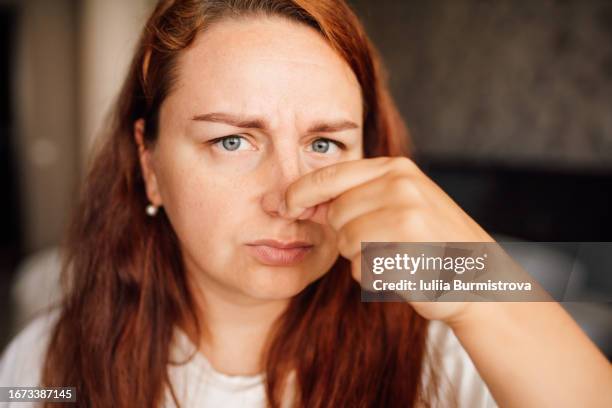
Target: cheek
{"points": [[214, 207], [198, 191], [205, 207]]}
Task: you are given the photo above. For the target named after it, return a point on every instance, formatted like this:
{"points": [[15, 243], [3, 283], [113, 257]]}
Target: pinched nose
{"points": [[274, 204], [317, 213], [282, 171]]}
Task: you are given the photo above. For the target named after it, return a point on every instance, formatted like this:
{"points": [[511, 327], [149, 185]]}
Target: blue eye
{"points": [[230, 143], [234, 143], [322, 145]]}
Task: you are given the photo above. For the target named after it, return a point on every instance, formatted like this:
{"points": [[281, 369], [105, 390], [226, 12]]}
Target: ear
{"points": [[147, 167]]}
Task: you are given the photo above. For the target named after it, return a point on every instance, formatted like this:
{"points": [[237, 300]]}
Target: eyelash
{"points": [[340, 145], [218, 140]]}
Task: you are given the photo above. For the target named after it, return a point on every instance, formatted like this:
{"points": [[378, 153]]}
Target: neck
{"points": [[236, 327]]}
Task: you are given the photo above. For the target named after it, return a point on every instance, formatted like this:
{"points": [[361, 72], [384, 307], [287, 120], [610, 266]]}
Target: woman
{"points": [[214, 258]]}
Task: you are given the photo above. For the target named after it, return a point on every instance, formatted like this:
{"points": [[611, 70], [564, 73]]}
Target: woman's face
{"points": [[278, 89]]}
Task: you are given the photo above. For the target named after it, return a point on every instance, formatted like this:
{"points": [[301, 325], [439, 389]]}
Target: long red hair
{"points": [[126, 286]]}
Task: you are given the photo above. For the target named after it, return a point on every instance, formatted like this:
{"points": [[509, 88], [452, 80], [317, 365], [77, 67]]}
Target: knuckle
{"points": [[398, 183], [409, 218], [324, 175], [405, 188], [402, 165]]}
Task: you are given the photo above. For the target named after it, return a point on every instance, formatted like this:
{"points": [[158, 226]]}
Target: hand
{"points": [[387, 199]]}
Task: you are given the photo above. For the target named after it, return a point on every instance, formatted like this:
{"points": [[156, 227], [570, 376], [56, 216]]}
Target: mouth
{"points": [[277, 253]]}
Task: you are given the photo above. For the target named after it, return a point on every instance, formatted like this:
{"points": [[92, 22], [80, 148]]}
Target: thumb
{"points": [[318, 213]]}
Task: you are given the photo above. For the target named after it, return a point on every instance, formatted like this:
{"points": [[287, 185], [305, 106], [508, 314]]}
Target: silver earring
{"points": [[151, 210]]}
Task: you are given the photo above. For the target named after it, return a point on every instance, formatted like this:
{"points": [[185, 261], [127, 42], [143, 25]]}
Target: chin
{"points": [[276, 283]]}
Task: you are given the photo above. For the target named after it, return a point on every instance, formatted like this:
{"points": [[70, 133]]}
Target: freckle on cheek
{"points": [[237, 174], [218, 190], [233, 166]]}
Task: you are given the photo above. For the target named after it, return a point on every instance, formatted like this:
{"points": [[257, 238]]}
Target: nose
{"points": [[282, 170]]}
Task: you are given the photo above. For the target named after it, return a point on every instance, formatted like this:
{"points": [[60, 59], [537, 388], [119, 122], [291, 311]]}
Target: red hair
{"points": [[126, 282]]}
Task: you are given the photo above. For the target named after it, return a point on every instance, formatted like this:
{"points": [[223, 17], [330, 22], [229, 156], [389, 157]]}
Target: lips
{"points": [[278, 244], [276, 253]]}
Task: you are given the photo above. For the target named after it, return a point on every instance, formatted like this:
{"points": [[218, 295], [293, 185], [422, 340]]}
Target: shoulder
{"points": [[459, 383], [22, 360]]}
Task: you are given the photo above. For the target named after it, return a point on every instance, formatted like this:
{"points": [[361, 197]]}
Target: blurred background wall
{"points": [[509, 105], [523, 83], [62, 65]]}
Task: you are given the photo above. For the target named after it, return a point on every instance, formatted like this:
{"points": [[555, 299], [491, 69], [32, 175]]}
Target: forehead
{"points": [[263, 65]]}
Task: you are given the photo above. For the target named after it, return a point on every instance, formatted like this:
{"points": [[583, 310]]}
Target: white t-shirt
{"points": [[198, 384]]}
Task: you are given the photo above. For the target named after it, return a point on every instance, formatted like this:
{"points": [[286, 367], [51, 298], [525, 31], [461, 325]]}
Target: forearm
{"points": [[534, 355]]}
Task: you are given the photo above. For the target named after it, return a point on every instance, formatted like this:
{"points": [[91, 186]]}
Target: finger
{"points": [[317, 213], [377, 226], [328, 182], [385, 191]]}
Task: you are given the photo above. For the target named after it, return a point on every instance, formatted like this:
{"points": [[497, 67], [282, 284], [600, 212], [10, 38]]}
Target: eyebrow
{"points": [[260, 123]]}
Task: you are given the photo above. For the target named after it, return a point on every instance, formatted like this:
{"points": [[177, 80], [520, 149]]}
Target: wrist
{"points": [[472, 316]]}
